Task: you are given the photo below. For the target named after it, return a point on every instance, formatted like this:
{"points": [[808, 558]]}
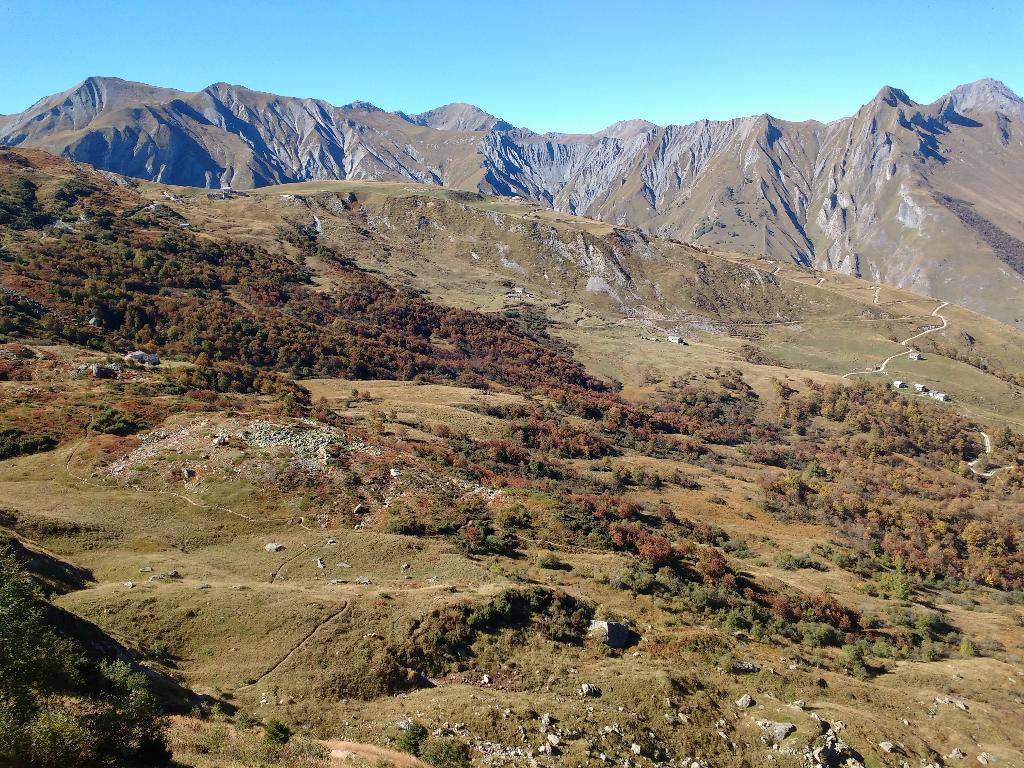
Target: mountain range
{"points": [[921, 196]]}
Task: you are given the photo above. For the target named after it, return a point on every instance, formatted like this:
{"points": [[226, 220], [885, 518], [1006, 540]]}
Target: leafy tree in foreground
{"points": [[58, 708]]}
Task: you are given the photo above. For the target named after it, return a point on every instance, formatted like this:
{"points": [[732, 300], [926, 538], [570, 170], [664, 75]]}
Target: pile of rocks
{"points": [[308, 440]]}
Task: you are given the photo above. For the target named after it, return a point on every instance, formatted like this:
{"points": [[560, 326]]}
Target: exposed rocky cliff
{"points": [[868, 195]]}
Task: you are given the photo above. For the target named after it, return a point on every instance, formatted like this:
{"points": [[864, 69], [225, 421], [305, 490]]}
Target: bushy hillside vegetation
{"points": [[509, 500], [58, 707]]}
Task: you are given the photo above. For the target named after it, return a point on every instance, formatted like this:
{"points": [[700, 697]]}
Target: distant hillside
{"points": [[867, 195]]}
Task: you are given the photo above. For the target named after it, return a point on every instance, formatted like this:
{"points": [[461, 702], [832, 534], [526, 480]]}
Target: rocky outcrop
{"points": [[859, 195]]}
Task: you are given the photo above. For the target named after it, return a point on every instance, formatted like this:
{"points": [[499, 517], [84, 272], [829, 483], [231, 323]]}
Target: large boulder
{"points": [[614, 634], [775, 733]]}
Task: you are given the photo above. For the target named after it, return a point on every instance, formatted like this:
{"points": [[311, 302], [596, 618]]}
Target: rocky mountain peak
{"points": [[986, 95], [459, 116], [624, 129], [97, 94], [893, 97], [362, 106]]}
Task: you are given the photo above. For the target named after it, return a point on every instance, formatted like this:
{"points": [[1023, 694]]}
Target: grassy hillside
{"points": [[371, 485]]}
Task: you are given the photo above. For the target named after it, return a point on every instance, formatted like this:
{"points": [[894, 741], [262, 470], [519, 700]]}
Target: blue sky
{"points": [[569, 66]]}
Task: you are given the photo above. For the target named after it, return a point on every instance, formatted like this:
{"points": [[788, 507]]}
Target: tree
{"points": [[277, 733], [57, 707], [411, 739]]}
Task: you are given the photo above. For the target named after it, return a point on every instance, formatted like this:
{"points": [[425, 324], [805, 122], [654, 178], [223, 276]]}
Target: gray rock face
{"points": [[774, 732], [861, 195], [615, 635], [986, 95]]}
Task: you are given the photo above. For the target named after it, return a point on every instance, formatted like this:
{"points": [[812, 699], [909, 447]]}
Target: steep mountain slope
{"points": [[918, 196]]}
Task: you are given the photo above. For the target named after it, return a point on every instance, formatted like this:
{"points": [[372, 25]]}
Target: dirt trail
{"points": [[345, 753], [988, 451], [972, 465], [295, 648], [906, 342]]}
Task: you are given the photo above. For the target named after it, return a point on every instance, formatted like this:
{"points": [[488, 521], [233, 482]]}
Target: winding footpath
{"points": [[972, 465], [988, 450], [906, 342]]}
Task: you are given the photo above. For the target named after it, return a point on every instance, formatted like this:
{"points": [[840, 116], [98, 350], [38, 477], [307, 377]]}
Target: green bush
{"points": [[111, 421], [788, 562], [15, 442], [550, 562], [637, 579], [277, 733], [445, 753], [411, 739], [855, 660], [818, 635]]}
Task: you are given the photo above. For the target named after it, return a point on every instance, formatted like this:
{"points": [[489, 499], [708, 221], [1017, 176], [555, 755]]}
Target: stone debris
{"points": [[222, 438], [274, 546], [165, 576], [130, 584], [486, 680], [744, 701], [320, 563], [986, 759], [745, 667], [307, 439], [831, 751], [202, 585], [500, 754], [344, 565], [958, 703], [956, 754], [364, 580], [887, 746], [589, 691]]}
